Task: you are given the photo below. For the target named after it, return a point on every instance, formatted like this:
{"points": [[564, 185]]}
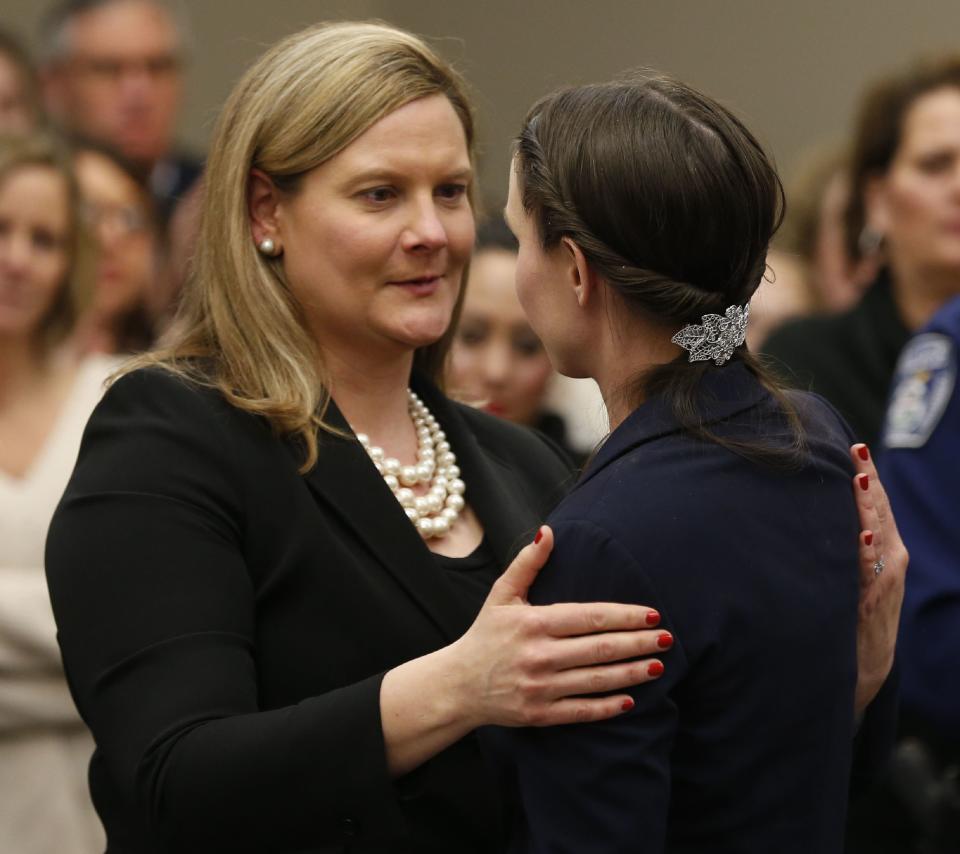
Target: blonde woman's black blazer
{"points": [[226, 622]]}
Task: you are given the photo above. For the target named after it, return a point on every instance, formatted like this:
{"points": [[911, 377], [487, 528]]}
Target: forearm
{"points": [[422, 709]]}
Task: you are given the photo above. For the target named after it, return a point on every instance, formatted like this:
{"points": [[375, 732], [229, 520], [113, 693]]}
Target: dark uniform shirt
{"points": [[170, 181], [848, 358], [920, 467]]}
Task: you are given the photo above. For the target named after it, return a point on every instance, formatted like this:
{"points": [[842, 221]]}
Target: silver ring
{"points": [[878, 566]]}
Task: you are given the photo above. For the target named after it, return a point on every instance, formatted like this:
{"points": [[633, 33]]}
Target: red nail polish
{"points": [[655, 669], [627, 705], [864, 481], [863, 453], [537, 538], [868, 538], [665, 640], [652, 618]]}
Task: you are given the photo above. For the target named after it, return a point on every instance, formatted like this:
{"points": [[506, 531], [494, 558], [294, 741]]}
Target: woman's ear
{"points": [[581, 276], [262, 201]]}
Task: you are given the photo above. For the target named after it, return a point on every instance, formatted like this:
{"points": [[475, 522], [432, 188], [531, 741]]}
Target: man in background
{"points": [[112, 71], [919, 463]]}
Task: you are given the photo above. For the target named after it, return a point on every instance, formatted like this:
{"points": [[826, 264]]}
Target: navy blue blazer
{"points": [[745, 743]]}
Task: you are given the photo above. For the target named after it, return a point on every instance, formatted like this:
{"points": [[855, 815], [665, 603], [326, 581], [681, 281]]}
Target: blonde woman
{"points": [[275, 571], [46, 395], [260, 638]]}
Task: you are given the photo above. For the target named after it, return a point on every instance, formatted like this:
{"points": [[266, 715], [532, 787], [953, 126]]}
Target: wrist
{"points": [[430, 694], [459, 695], [869, 684]]}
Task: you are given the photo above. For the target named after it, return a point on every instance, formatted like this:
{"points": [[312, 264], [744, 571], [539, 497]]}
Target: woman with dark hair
{"points": [[644, 211], [496, 359], [904, 207]]}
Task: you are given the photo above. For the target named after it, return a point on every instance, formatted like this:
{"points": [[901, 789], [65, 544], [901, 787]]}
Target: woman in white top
{"points": [[46, 394]]}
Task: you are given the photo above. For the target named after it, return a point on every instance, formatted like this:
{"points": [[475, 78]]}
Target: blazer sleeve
{"points": [[601, 786], [155, 608], [876, 737]]}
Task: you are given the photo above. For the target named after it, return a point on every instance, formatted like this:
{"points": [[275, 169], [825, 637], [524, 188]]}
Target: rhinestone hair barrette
{"points": [[717, 337]]}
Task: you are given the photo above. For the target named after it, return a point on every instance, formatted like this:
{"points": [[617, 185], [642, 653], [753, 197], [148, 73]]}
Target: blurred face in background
{"points": [[34, 241], [120, 82], [496, 358], [116, 212], [839, 279], [916, 204], [16, 115]]}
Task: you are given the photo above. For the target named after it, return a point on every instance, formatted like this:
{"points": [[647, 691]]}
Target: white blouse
{"points": [[44, 747]]}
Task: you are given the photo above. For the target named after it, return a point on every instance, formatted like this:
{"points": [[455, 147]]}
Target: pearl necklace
{"points": [[433, 513]]}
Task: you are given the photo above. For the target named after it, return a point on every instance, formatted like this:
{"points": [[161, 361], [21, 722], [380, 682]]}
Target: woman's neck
{"points": [[22, 364], [96, 334], [619, 395], [372, 396], [919, 292], [619, 368]]}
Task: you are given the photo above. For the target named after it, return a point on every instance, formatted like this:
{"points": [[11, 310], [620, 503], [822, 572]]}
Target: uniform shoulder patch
{"points": [[922, 387]]}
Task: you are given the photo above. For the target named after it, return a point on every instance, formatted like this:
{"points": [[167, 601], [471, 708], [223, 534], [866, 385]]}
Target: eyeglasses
{"points": [[122, 220], [111, 70]]}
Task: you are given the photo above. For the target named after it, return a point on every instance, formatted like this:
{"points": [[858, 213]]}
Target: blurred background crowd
{"points": [[104, 107]]}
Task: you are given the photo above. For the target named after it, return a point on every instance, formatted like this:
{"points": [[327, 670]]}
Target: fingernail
{"points": [[864, 481], [655, 669], [537, 538], [868, 538], [665, 640], [627, 705], [652, 618], [863, 453]]}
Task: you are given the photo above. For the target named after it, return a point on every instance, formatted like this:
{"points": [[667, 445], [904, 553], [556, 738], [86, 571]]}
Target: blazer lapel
{"points": [[345, 480], [492, 489]]}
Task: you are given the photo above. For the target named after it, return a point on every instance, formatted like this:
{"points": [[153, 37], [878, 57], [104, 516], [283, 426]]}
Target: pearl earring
{"points": [[267, 246]]}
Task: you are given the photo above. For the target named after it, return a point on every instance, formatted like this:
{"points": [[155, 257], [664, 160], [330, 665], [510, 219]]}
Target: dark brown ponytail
{"points": [[673, 202]]}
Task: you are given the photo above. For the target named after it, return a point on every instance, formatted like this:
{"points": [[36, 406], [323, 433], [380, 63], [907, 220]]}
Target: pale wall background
{"points": [[793, 70]]}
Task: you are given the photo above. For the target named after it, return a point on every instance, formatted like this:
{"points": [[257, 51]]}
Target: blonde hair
{"points": [[305, 100], [44, 151]]}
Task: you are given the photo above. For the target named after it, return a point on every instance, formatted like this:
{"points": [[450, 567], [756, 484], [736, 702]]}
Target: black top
{"points": [[225, 624], [743, 745], [849, 358], [472, 575]]}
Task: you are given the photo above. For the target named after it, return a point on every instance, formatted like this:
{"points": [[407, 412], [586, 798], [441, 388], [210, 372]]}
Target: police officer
{"points": [[920, 466]]}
